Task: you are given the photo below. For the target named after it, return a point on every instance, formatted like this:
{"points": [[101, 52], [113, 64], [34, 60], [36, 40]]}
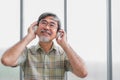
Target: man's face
{"points": [[47, 29]]}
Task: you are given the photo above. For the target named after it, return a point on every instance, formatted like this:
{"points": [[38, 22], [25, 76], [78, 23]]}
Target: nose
{"points": [[47, 26]]}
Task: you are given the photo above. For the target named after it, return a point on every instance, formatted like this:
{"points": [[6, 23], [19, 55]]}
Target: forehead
{"points": [[51, 19]]}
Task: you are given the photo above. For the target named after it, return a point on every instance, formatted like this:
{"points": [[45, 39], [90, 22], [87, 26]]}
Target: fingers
{"points": [[62, 33], [33, 24], [31, 27]]}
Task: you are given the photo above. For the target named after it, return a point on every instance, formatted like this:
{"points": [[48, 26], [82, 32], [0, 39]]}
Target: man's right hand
{"points": [[31, 32]]}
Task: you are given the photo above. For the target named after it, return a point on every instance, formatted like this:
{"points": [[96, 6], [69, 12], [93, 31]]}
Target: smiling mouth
{"points": [[46, 32]]}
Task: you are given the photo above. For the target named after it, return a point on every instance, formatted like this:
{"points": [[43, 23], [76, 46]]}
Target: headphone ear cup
{"points": [[35, 28], [58, 35]]}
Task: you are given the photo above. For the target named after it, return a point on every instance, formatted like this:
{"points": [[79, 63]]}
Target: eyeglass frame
{"points": [[45, 23]]}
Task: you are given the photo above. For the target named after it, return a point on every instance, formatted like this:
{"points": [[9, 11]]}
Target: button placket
{"points": [[45, 66]]}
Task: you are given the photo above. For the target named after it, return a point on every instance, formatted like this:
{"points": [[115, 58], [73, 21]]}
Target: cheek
{"points": [[40, 28], [54, 33], [55, 30]]}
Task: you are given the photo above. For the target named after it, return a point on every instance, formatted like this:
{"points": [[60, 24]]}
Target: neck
{"points": [[46, 46]]}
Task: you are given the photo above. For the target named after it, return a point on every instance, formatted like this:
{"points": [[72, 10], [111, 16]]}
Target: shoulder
{"points": [[60, 50], [31, 49]]}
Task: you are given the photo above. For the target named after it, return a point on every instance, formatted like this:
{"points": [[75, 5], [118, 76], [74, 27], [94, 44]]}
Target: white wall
{"points": [[9, 34], [116, 38], [87, 35]]}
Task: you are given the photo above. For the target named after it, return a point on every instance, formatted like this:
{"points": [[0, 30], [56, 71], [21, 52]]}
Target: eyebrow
{"points": [[50, 21]]}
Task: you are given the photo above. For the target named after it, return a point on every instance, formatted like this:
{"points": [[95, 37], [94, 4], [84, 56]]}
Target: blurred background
{"points": [[85, 22]]}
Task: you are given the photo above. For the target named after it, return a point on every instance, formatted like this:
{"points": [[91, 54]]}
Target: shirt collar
{"points": [[38, 47]]}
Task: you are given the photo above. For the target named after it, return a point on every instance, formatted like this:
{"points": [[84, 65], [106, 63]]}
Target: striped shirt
{"points": [[38, 65]]}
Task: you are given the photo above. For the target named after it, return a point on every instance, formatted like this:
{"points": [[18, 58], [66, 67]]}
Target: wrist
{"points": [[29, 38], [65, 46]]}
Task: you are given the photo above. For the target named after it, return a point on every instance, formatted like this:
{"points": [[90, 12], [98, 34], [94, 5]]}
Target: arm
{"points": [[75, 60], [11, 55]]}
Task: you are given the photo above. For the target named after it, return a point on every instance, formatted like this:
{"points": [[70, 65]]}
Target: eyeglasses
{"points": [[44, 23]]}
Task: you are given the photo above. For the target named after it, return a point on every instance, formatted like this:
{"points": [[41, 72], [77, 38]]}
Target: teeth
{"points": [[43, 30], [48, 32]]}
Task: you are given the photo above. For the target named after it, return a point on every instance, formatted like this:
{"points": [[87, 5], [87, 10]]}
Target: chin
{"points": [[44, 39]]}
